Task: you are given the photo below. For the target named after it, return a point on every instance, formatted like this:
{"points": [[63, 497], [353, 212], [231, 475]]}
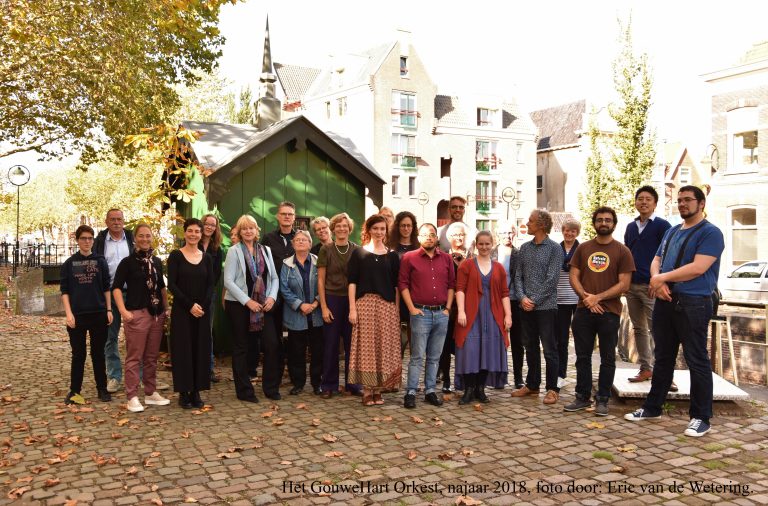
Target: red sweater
{"points": [[468, 281]]}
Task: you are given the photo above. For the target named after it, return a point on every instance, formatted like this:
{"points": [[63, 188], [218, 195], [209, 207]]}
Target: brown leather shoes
{"points": [[551, 398], [523, 392], [673, 387], [643, 375]]}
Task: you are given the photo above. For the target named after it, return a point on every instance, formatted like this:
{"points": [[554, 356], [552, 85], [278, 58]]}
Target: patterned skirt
{"points": [[374, 359]]}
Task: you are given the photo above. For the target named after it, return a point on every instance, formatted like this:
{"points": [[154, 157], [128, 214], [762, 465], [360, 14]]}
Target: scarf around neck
{"points": [[256, 265]]}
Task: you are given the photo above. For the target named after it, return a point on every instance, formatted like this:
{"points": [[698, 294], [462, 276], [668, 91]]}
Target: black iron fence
{"points": [[34, 255]]}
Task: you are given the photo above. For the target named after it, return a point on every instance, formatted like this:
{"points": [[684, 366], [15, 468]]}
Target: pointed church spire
{"points": [[266, 65], [268, 108]]}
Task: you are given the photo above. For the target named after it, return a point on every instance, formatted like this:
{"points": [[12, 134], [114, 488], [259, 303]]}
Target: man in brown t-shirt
{"points": [[601, 271]]}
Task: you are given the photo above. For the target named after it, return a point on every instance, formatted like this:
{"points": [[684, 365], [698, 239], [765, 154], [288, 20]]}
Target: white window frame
{"points": [[395, 185], [748, 228], [685, 176], [342, 106], [404, 151], [741, 121], [488, 195], [413, 186], [400, 115], [404, 68], [487, 117], [487, 155]]}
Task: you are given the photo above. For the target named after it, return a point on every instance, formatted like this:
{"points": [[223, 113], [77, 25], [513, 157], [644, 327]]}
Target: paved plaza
{"points": [[305, 450]]}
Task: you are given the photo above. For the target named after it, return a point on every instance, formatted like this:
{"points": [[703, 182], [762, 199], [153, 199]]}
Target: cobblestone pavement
{"points": [[305, 450]]}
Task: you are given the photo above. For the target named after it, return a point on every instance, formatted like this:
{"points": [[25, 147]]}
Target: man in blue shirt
{"points": [[683, 276], [643, 237], [536, 276]]}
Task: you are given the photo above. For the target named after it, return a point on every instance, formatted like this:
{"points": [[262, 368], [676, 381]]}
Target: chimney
{"points": [[267, 105]]}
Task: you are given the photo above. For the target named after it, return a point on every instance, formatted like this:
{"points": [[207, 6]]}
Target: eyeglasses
{"points": [[458, 235], [604, 220], [84, 238], [406, 225], [457, 207], [430, 235], [686, 200]]}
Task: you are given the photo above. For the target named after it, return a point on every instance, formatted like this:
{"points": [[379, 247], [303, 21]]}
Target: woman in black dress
{"points": [[210, 243], [190, 280]]}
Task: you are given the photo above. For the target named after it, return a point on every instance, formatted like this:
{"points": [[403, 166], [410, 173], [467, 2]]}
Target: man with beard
{"points": [[426, 282], [457, 206], [683, 276], [601, 271]]}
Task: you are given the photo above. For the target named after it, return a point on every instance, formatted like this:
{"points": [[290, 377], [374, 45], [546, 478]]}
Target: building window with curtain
{"points": [[743, 234]]}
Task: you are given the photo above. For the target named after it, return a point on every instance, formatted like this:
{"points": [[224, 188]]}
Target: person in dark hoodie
{"points": [[114, 243], [88, 307]]}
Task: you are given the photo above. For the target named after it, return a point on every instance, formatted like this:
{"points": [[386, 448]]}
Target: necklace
{"points": [[337, 249]]}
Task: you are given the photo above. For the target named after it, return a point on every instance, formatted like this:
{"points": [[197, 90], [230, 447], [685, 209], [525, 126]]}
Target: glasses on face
{"points": [[458, 235], [604, 220], [686, 200], [406, 225], [457, 207], [430, 235], [85, 238], [212, 225]]}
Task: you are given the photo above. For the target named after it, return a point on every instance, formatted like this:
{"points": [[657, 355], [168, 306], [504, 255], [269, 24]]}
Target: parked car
{"points": [[747, 283]]}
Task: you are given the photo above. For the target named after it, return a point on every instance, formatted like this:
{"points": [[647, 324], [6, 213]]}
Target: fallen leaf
{"points": [[51, 482], [70, 502], [467, 452], [79, 419], [334, 454], [228, 455], [74, 439], [132, 470], [438, 423], [39, 469], [595, 425], [397, 436], [447, 397], [25, 479], [185, 434], [286, 462], [618, 469], [156, 502], [18, 492], [17, 456], [86, 409], [154, 488], [29, 440], [235, 449], [155, 454], [267, 414], [6, 442], [190, 499], [122, 422], [330, 438], [315, 422], [148, 462], [627, 449], [278, 421], [301, 406], [412, 454], [116, 435], [375, 419], [387, 419], [103, 460], [446, 455], [465, 500], [478, 407]]}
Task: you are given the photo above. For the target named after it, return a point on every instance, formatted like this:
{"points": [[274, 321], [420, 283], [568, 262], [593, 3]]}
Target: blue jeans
{"points": [[427, 336], [682, 321], [584, 326], [112, 348], [540, 326]]}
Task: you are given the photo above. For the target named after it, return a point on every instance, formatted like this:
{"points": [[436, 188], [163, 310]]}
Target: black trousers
{"points": [[96, 325], [242, 339], [516, 343], [298, 341]]}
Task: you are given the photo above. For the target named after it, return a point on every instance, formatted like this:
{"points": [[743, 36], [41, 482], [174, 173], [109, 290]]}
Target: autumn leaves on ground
{"points": [[241, 453]]}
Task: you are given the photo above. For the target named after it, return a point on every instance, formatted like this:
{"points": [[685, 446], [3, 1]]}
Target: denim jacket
{"points": [[292, 290]]}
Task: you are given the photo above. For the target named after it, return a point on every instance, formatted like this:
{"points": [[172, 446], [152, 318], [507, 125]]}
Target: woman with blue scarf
{"points": [[252, 285], [566, 298]]}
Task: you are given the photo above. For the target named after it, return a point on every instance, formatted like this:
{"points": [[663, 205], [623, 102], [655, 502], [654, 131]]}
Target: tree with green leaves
{"points": [[81, 75], [633, 148], [599, 178]]}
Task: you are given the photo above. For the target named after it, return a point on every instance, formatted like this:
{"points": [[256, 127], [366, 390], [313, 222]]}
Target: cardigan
{"points": [[235, 280], [469, 282], [643, 246]]}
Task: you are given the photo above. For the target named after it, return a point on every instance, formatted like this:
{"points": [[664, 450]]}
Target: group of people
{"points": [[447, 291]]}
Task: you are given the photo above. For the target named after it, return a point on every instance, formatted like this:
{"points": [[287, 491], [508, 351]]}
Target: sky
{"points": [[541, 53]]}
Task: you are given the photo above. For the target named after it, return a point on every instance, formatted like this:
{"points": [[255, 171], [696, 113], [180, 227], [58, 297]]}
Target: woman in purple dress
{"points": [[484, 317]]}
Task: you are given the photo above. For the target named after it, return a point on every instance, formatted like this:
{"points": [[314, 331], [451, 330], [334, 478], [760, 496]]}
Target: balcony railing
{"points": [[405, 161]]}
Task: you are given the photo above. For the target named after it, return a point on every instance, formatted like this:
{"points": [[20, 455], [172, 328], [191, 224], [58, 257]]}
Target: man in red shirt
{"points": [[426, 282]]}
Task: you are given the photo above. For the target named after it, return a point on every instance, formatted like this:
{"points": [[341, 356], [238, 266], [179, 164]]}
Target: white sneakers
{"points": [[156, 400], [113, 385], [560, 382], [134, 406]]}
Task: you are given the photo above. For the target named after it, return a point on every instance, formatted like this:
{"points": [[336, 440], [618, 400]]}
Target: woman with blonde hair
{"points": [[375, 360], [252, 286]]}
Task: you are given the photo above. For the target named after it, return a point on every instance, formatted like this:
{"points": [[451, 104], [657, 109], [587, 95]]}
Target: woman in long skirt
{"points": [[484, 317], [375, 359], [190, 280]]}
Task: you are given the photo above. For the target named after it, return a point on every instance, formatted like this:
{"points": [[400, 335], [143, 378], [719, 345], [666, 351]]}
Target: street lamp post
{"points": [[18, 175]]}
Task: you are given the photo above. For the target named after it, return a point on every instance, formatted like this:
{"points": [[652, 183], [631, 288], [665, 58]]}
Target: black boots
{"points": [[480, 387], [469, 389], [185, 400], [197, 402], [104, 395]]}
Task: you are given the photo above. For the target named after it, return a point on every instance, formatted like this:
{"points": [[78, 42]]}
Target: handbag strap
{"points": [[680, 253]]}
